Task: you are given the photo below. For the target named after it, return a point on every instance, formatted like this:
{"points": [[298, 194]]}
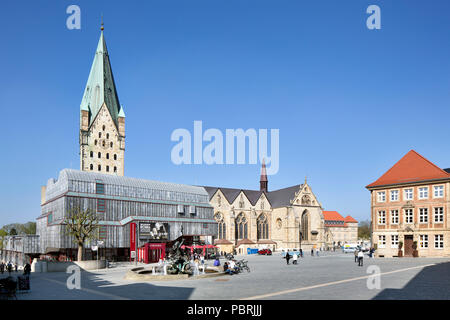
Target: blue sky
{"points": [[349, 102]]}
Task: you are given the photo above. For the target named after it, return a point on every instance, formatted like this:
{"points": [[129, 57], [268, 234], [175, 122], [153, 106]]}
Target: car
{"points": [[267, 252]]}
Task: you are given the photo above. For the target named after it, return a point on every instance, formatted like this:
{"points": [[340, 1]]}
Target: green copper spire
{"points": [[100, 87]]}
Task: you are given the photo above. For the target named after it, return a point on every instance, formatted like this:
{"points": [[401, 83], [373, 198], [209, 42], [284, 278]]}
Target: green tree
{"points": [[81, 224], [3, 233], [364, 230]]}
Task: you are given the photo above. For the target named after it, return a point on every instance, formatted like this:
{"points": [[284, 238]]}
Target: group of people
{"points": [[230, 267], [8, 267]]}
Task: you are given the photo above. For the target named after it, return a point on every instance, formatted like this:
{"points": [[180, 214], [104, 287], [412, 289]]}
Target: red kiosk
{"points": [[152, 252]]}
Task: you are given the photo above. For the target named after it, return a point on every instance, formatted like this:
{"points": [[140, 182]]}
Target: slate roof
{"points": [[277, 198], [411, 168]]}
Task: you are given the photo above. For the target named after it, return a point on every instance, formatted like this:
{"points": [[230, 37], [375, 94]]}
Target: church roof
{"points": [[277, 198], [100, 87], [411, 168]]}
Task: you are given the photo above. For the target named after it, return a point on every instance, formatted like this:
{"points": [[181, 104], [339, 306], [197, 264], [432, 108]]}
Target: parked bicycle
{"points": [[242, 265]]}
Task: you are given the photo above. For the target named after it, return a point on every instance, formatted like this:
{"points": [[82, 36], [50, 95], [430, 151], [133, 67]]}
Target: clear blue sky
{"points": [[349, 102]]}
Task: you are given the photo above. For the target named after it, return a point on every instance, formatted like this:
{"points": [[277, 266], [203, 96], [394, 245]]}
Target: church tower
{"points": [[263, 181], [102, 119]]}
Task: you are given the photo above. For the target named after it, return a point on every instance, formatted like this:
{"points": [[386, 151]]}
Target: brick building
{"points": [[410, 204]]}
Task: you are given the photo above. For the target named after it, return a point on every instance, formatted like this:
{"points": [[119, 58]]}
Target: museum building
{"points": [[131, 212]]}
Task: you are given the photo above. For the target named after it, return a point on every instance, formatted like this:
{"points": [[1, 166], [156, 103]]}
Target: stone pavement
{"points": [[330, 276]]}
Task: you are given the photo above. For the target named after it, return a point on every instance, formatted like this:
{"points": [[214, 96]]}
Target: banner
{"points": [[132, 238], [153, 231]]}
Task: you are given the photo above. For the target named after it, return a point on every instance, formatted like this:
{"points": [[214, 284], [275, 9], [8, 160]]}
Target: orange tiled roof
{"points": [[350, 219], [411, 168], [332, 215]]}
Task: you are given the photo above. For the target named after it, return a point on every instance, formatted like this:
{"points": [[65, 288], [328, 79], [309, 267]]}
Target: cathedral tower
{"points": [[102, 119]]}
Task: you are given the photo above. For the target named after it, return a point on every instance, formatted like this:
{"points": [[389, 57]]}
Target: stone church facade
{"points": [[289, 218]]}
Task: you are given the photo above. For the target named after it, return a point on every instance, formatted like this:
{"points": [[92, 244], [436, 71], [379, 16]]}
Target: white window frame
{"points": [[380, 216], [423, 218], [405, 193], [392, 192], [381, 241], [434, 191], [396, 216], [394, 243], [423, 241], [440, 214], [439, 239], [405, 216], [381, 195], [425, 190]]}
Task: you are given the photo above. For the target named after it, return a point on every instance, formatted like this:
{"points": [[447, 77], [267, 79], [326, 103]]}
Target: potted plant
{"points": [[415, 252], [400, 246]]}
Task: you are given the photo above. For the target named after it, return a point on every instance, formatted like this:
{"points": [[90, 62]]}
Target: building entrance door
{"points": [[408, 245]]}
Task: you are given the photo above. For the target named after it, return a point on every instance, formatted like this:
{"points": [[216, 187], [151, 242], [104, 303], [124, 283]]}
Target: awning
{"points": [[51, 250]]}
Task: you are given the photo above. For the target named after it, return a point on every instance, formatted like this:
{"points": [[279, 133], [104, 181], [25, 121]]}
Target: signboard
{"points": [[132, 238], [153, 230], [133, 254]]}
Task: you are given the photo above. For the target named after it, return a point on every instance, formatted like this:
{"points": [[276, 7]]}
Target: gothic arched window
{"points": [[221, 232], [262, 227], [241, 227], [304, 225]]}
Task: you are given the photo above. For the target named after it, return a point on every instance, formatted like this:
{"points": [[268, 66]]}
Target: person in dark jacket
{"points": [[288, 256], [27, 269]]}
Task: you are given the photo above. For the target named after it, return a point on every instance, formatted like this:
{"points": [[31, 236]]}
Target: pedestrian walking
{"points": [[2, 267], [15, 267], [9, 267], [27, 269], [356, 256], [301, 253], [294, 258], [287, 257], [312, 252], [317, 251], [360, 258]]}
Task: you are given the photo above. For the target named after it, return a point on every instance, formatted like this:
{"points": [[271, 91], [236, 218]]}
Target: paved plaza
{"points": [[329, 276]]}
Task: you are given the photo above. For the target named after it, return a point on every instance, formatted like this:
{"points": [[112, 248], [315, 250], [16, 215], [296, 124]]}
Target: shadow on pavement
{"points": [[432, 283]]}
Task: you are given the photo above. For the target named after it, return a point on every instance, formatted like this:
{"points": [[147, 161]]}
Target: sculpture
{"points": [[177, 260]]}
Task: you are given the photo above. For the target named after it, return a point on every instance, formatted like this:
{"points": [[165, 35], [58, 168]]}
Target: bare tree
{"points": [[82, 225]]}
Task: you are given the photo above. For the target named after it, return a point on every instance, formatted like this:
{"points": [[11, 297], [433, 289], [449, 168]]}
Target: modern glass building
{"points": [[162, 212]]}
